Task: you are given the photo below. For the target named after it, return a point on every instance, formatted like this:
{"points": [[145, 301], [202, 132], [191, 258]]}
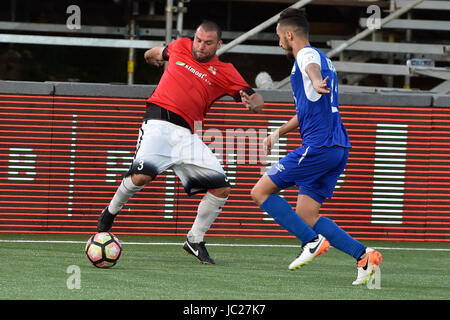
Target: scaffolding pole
{"points": [[258, 28], [360, 35], [169, 21], [78, 41], [131, 53], [180, 13]]}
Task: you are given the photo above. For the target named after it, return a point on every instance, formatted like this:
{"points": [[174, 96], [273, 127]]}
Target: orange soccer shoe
{"points": [[366, 266], [309, 251]]}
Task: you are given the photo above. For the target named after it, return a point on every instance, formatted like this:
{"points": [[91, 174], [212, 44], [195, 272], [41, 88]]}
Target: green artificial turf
{"points": [[39, 270]]}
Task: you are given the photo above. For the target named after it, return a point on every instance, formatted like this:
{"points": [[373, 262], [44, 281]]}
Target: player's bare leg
{"points": [[221, 192], [208, 210], [129, 186], [141, 179], [308, 209], [263, 189]]}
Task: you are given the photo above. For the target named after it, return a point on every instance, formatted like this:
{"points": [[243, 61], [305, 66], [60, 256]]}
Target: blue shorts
{"points": [[314, 170]]}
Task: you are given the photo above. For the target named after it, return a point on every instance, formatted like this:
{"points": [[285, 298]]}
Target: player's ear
{"points": [[219, 44], [289, 35]]}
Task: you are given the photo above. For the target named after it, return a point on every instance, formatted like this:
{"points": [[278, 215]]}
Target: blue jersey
{"points": [[318, 115]]}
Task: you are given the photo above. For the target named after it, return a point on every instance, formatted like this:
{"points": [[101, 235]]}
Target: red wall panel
{"points": [[62, 158]]}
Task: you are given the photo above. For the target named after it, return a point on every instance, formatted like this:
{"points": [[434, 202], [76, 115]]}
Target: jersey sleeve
{"points": [[307, 56], [175, 45], [165, 54], [236, 84]]}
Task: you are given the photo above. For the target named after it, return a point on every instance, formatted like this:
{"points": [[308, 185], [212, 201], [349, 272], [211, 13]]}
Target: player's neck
{"points": [[299, 45]]}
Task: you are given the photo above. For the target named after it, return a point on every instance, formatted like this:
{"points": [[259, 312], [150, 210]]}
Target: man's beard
{"points": [[289, 54], [290, 57], [203, 59]]}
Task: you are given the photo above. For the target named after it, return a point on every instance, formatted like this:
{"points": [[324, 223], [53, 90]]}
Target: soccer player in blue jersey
{"points": [[317, 164]]}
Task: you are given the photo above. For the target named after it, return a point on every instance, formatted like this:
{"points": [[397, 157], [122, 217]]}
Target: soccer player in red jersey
{"points": [[193, 79]]}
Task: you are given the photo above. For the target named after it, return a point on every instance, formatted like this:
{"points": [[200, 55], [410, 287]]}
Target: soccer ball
{"points": [[103, 250]]}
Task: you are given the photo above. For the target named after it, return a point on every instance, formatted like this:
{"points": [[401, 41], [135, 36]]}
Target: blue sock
{"points": [[281, 211], [338, 238]]}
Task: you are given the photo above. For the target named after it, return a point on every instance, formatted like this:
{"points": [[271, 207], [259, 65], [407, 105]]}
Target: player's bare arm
{"points": [[254, 103], [154, 56], [270, 140], [319, 84]]}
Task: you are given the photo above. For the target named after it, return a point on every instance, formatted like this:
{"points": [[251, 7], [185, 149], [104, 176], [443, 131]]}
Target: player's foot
{"points": [[105, 221], [199, 251], [309, 251], [366, 266]]}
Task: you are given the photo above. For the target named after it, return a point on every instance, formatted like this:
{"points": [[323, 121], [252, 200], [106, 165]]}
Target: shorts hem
{"points": [[278, 182], [314, 195], [192, 189]]}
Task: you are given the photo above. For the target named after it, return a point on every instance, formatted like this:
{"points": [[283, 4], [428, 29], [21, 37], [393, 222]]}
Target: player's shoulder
{"points": [[185, 40], [182, 43], [308, 51], [308, 55]]}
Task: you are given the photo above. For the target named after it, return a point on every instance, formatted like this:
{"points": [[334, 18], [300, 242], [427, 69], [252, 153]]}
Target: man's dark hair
{"points": [[296, 19], [209, 26]]}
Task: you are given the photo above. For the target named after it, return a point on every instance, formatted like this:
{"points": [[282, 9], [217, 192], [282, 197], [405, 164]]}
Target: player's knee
{"points": [[259, 194], [141, 179], [221, 192], [256, 195]]}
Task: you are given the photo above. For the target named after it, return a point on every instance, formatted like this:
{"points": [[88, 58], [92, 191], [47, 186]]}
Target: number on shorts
{"points": [[141, 165]]}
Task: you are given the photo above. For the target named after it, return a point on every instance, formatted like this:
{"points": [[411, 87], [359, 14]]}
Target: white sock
{"points": [[208, 210], [126, 190]]}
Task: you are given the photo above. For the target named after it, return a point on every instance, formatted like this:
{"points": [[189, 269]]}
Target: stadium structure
{"points": [[72, 96]]}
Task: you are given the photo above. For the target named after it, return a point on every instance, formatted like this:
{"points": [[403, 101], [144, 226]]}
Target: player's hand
{"points": [[270, 141], [154, 62], [321, 86], [150, 59], [249, 104], [267, 145]]}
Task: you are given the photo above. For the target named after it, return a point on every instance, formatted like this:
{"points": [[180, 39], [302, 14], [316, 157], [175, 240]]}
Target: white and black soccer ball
{"points": [[103, 250]]}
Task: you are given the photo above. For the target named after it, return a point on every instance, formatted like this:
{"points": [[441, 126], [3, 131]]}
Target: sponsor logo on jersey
{"points": [[202, 76], [212, 70], [309, 58]]}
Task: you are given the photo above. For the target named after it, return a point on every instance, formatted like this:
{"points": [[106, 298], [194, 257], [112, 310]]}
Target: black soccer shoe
{"points": [[105, 221], [199, 251]]}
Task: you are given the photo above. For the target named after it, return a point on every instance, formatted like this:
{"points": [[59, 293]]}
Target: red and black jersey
{"points": [[188, 87]]}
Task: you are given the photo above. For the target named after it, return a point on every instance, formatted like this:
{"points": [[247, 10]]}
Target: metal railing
{"points": [[362, 35], [132, 33], [258, 28]]}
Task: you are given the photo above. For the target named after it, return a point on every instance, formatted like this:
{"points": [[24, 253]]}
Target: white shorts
{"points": [[162, 145]]}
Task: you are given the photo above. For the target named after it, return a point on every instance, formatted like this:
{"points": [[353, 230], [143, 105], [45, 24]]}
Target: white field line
{"points": [[210, 244]]}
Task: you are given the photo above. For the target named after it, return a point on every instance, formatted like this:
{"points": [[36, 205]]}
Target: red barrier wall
{"points": [[61, 160]]}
